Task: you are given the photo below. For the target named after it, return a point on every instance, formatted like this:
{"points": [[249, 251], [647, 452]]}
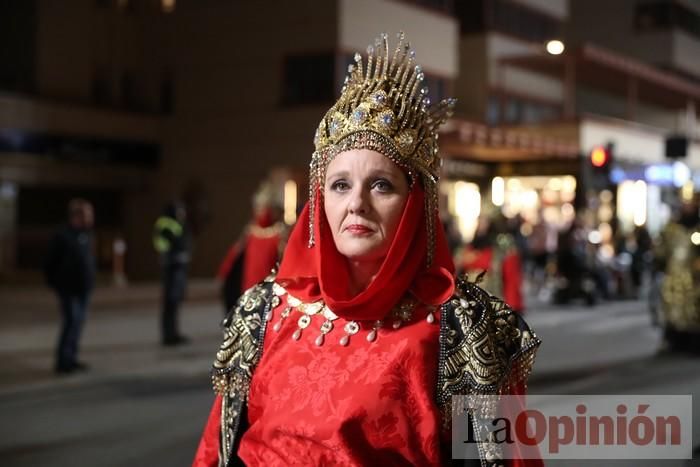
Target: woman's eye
{"points": [[383, 186], [339, 185]]}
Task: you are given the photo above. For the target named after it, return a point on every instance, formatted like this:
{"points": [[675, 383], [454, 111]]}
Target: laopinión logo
{"points": [[572, 427]]}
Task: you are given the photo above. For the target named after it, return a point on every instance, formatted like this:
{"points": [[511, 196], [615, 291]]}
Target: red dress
{"points": [[365, 403], [368, 403], [371, 402]]}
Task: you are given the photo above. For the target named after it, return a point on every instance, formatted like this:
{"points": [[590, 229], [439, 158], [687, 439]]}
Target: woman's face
{"points": [[364, 198]]}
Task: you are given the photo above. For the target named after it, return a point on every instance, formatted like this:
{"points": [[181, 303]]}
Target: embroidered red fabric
{"points": [[370, 403], [367, 403]]}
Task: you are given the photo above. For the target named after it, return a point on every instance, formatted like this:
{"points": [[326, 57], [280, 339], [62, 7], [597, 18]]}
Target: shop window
{"points": [[516, 109], [437, 87], [308, 79], [664, 15], [508, 17], [493, 110]]}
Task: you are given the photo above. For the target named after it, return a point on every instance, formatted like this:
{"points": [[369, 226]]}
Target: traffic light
{"points": [[601, 157], [600, 162]]}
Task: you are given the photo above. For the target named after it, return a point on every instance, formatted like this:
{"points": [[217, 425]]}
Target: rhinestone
{"points": [[427, 101], [277, 326], [430, 318], [358, 115], [412, 53], [358, 57], [351, 328], [372, 336], [383, 36], [326, 327], [370, 49], [397, 324], [351, 68], [378, 98], [304, 321]]}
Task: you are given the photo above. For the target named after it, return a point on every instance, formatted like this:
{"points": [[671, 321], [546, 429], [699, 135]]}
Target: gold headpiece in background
{"points": [[384, 106]]}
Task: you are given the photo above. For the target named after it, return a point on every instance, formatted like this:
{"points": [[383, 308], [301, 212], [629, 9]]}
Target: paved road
{"points": [[145, 405]]}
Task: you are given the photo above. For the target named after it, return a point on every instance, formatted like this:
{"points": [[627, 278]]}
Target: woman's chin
{"points": [[363, 251]]}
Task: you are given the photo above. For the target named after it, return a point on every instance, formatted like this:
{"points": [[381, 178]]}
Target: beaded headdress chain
{"points": [[383, 106]]}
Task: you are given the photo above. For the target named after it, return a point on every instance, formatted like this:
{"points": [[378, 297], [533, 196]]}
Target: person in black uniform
{"points": [[70, 271], [171, 241]]}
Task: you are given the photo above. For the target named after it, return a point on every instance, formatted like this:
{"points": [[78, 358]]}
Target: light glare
{"points": [[555, 47]]}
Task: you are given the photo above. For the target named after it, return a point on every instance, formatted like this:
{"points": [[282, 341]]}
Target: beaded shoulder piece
{"points": [[485, 347], [232, 371]]}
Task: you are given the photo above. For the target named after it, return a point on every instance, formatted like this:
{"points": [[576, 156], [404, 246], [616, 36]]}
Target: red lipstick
{"points": [[358, 229]]}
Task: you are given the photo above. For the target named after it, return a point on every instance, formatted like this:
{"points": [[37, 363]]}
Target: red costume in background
{"points": [[508, 284], [251, 258]]}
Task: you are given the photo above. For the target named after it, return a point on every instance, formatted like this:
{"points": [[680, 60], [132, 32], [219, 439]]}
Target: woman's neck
{"points": [[361, 274]]}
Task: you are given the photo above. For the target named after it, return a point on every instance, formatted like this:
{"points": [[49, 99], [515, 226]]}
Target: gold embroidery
{"points": [[485, 347]]}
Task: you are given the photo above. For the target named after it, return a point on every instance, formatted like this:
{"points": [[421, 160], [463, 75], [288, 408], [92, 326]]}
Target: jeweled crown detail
{"points": [[384, 106]]}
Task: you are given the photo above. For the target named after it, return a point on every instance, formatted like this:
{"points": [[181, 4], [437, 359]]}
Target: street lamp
{"points": [[555, 47]]}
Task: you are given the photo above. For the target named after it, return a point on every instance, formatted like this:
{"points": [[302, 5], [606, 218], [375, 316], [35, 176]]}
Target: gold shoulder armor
{"points": [[486, 348], [244, 331]]}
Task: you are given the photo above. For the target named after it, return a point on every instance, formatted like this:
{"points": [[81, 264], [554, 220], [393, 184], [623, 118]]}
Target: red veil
{"points": [[321, 272]]}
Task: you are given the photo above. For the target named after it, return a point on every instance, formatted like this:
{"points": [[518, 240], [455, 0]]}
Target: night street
{"points": [[141, 404]]}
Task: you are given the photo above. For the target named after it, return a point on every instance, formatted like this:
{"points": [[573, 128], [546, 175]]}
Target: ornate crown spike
{"points": [[384, 106]]}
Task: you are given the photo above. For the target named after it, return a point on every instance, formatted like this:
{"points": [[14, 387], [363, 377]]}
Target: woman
{"points": [[350, 354], [250, 259], [494, 251]]}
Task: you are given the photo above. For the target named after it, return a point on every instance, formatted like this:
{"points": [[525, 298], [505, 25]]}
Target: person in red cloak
{"points": [[350, 354], [251, 258], [493, 252]]}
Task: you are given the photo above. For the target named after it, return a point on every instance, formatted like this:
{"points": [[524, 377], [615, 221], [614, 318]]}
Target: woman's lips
{"points": [[357, 229]]}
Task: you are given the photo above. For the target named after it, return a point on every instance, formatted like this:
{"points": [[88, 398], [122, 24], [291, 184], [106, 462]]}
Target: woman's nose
{"points": [[358, 201]]}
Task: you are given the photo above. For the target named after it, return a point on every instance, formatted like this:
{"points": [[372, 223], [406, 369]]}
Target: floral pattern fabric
{"points": [[368, 403]]}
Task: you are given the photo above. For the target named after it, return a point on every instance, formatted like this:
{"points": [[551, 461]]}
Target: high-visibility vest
{"points": [[163, 224]]}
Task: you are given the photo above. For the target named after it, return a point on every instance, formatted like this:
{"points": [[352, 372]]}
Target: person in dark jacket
{"points": [[171, 241], [70, 271]]}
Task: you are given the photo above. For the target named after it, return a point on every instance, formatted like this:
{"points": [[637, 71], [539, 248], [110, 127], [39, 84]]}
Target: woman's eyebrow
{"points": [[341, 174], [383, 173]]}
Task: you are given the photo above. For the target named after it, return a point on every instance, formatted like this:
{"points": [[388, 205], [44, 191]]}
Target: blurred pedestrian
{"points": [[171, 240], [253, 256], [642, 257], [494, 251], [542, 244], [678, 254], [70, 270]]}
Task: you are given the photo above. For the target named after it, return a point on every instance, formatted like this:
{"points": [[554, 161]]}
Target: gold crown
{"points": [[384, 106]]}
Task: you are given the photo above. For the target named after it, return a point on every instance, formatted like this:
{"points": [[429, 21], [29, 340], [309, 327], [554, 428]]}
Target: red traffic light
{"points": [[600, 156]]}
